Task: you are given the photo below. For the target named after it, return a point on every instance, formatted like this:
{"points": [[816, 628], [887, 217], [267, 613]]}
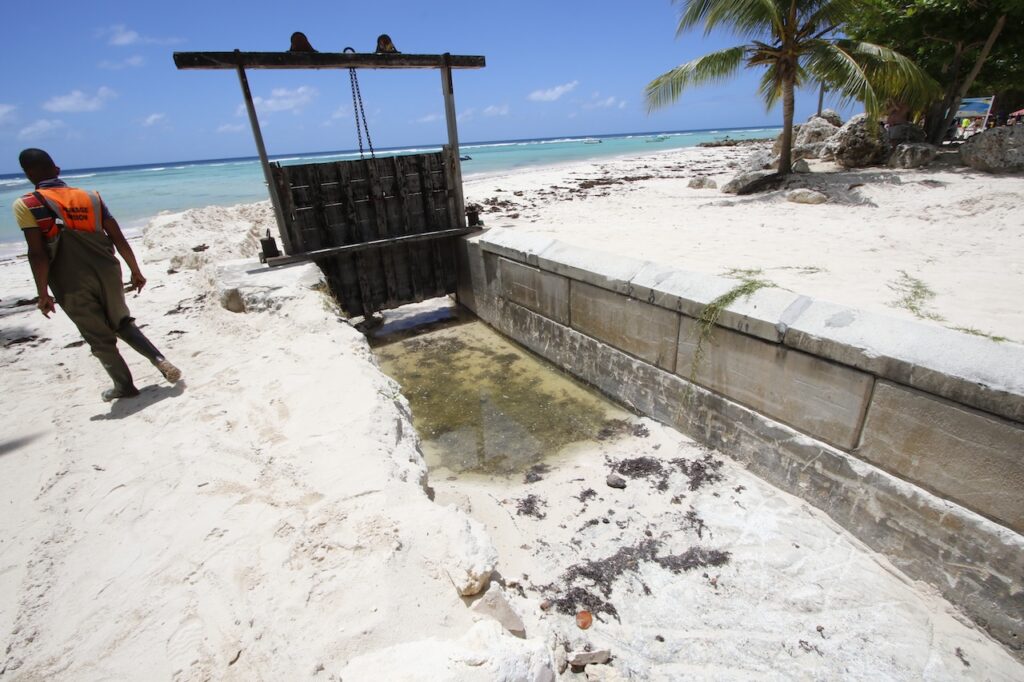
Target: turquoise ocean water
{"points": [[137, 193]]}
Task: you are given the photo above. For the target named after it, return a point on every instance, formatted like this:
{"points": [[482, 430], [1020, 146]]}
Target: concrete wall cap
{"points": [[759, 314], [976, 371], [520, 246], [599, 268]]}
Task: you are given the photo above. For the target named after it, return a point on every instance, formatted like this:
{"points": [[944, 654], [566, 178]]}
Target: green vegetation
{"points": [[795, 42], [712, 311], [914, 296], [977, 332], [971, 47]]}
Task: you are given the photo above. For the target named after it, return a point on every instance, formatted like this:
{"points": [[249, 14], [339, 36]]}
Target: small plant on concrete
{"points": [[713, 310], [977, 332], [914, 296]]}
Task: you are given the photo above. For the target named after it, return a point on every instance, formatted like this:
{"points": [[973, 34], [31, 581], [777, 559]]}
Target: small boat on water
{"points": [[591, 140], [657, 138], [467, 157]]}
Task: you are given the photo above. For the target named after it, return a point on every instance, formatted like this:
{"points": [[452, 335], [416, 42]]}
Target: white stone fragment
{"points": [[471, 557], [494, 604], [806, 196], [484, 654], [581, 658]]}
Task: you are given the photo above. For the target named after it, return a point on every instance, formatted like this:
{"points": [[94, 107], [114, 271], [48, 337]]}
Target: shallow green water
{"points": [[482, 404]]}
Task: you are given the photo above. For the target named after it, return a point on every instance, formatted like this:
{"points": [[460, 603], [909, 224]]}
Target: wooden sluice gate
{"points": [[382, 229]]}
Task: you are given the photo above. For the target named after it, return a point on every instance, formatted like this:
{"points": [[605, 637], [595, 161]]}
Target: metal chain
{"points": [[359, 111]]}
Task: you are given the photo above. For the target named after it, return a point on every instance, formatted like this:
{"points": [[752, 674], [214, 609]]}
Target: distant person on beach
{"points": [[71, 240]]}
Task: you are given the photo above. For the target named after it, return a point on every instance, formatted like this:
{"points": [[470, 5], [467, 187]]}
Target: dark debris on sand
{"points": [[619, 427], [536, 473], [700, 471], [531, 506], [588, 585]]}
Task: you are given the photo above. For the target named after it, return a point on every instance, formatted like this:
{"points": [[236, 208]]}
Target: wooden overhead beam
{"points": [[322, 60]]}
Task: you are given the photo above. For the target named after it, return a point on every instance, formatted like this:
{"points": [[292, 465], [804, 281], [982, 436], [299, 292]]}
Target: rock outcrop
{"points": [[856, 144], [815, 130], [702, 182], [744, 180], [905, 133], [912, 155], [831, 116], [999, 150]]}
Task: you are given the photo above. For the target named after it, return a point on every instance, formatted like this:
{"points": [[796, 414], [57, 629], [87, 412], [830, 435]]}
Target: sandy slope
{"points": [[263, 519]]}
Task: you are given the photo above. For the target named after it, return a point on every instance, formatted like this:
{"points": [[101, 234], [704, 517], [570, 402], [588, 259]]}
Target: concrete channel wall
{"points": [[909, 435]]}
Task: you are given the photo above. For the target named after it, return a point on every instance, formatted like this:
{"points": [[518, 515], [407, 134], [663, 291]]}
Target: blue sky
{"points": [[94, 82]]}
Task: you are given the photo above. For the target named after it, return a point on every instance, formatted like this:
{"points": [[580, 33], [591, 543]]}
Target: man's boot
{"points": [[133, 336], [119, 373]]}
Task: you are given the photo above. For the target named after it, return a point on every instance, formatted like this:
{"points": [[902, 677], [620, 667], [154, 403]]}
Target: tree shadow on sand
{"points": [[148, 396]]}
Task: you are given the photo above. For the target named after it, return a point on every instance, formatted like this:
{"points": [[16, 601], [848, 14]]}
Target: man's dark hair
{"points": [[35, 161]]}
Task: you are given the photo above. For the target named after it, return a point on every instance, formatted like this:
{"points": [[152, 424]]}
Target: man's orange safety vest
{"points": [[75, 209]]}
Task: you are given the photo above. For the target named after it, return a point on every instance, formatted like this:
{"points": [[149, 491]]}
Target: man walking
{"points": [[71, 240]]}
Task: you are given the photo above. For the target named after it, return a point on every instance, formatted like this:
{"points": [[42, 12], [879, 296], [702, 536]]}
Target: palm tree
{"points": [[794, 41]]}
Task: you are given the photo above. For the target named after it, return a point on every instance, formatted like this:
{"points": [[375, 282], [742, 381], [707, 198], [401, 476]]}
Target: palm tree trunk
{"points": [[786, 155]]}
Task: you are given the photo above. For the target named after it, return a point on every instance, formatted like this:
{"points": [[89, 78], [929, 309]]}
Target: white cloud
{"points": [[40, 128], [153, 119], [76, 101], [429, 118], [120, 35], [6, 113], [283, 99], [231, 128], [597, 102], [496, 110], [340, 112], [552, 94], [133, 62], [466, 115]]}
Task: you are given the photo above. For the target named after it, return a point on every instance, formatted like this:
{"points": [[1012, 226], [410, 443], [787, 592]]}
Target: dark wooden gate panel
{"points": [[373, 226]]}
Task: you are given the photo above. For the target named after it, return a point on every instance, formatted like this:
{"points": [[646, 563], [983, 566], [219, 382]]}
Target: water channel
{"points": [[484, 405]]}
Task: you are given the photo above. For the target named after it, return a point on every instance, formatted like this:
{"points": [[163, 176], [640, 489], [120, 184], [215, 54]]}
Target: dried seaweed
{"points": [[701, 471], [600, 574], [536, 473], [530, 506]]}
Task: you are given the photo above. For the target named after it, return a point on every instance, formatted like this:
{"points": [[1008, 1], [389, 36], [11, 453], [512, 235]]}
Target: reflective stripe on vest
{"points": [[79, 209]]}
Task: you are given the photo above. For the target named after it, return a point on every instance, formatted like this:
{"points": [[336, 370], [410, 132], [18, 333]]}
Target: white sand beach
{"points": [[269, 517], [885, 235]]}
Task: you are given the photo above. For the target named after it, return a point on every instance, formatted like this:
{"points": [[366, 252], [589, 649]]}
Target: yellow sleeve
{"points": [[23, 215]]}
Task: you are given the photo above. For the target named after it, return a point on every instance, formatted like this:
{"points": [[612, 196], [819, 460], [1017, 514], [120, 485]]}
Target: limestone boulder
{"points": [[808, 151], [761, 160], [998, 150], [913, 155], [702, 182], [831, 116], [856, 144], [905, 133], [815, 130], [801, 166], [744, 180]]}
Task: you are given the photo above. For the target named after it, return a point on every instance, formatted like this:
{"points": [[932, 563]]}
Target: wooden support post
{"points": [[275, 201], [459, 219]]}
